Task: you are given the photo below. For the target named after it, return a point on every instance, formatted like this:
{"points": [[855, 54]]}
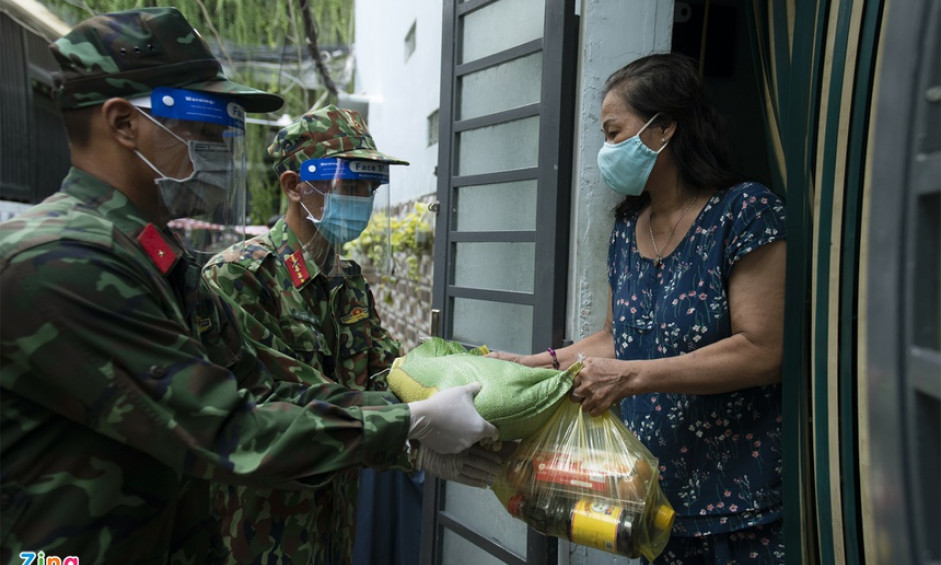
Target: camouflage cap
{"points": [[128, 54], [327, 132]]}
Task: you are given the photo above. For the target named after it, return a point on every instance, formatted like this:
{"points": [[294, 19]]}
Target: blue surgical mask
{"points": [[625, 166], [344, 217]]}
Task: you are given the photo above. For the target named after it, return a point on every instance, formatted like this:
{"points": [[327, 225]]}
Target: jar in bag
{"points": [[603, 525]]}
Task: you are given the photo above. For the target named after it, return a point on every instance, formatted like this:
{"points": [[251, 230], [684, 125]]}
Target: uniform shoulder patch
{"points": [[297, 268], [157, 248]]}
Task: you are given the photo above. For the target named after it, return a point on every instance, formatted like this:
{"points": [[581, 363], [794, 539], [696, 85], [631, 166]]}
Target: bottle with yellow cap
{"points": [[599, 523]]}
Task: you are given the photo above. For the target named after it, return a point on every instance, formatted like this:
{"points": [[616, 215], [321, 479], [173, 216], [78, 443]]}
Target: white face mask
{"points": [[205, 187]]}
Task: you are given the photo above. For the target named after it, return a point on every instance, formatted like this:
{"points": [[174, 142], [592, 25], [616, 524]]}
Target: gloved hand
{"points": [[475, 467], [448, 422]]}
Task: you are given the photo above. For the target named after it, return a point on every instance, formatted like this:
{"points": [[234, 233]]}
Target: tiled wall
{"points": [[403, 302]]}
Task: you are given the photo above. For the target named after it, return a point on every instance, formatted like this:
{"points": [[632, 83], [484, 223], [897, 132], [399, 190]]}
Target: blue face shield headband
{"points": [[181, 104], [334, 169]]}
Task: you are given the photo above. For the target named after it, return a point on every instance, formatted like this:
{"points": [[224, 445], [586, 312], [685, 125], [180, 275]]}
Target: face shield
{"points": [[347, 200], [198, 153]]}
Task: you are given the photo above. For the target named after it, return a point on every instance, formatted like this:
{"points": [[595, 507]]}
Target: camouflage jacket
{"points": [[127, 386], [307, 327]]}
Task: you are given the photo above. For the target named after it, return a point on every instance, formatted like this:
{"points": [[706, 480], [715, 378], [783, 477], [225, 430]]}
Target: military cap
{"points": [[327, 132], [128, 54]]}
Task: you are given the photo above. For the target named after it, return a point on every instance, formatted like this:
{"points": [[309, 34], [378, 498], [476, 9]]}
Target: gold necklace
{"points": [[659, 260]]}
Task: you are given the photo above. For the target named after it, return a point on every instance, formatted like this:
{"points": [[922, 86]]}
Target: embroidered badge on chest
{"points": [[203, 324], [356, 314]]}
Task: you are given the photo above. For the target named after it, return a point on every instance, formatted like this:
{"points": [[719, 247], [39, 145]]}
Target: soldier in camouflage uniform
{"points": [[127, 384], [313, 318]]}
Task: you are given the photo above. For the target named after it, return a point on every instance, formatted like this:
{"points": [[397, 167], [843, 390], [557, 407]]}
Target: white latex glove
{"points": [[448, 422], [475, 467]]}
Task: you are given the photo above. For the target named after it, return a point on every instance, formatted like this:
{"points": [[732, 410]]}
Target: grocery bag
{"points": [[516, 399], [588, 480]]}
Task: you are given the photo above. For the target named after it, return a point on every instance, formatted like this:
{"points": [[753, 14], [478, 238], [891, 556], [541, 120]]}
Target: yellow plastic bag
{"points": [[516, 399], [590, 481]]}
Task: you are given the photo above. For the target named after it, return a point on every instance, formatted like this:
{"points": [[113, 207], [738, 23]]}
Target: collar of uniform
{"points": [[162, 248], [300, 268], [105, 200]]}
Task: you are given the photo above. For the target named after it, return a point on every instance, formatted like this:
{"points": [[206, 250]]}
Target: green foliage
{"points": [[407, 238], [239, 22], [251, 28]]}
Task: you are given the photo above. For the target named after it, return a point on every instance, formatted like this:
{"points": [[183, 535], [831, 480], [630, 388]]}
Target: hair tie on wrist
{"points": [[555, 359]]}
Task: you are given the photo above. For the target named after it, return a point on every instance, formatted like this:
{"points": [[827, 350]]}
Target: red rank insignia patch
{"points": [[157, 248], [297, 268]]}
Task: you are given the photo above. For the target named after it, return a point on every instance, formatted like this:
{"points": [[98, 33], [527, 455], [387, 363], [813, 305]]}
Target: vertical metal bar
{"points": [[446, 118], [554, 185], [435, 326], [432, 532], [541, 549]]}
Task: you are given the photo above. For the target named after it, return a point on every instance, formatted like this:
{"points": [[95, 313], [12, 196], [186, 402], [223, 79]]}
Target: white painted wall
{"points": [[612, 35], [401, 93]]}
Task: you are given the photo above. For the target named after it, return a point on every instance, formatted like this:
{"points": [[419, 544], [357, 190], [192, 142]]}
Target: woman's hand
{"points": [[514, 357], [601, 383]]}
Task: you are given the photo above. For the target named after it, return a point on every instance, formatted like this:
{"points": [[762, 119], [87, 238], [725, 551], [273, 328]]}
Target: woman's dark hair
{"points": [[669, 83]]}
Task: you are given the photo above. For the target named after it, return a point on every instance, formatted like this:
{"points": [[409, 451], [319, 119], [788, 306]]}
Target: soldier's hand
{"points": [[475, 467], [448, 422]]}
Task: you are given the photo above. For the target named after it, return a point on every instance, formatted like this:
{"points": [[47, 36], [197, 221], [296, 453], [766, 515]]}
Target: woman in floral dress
{"points": [[691, 350]]}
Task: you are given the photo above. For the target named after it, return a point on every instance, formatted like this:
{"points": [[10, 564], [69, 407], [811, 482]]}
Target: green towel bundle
{"points": [[516, 399]]}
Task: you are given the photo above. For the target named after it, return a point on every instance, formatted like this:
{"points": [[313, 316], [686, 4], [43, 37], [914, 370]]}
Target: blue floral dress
{"points": [[720, 455]]}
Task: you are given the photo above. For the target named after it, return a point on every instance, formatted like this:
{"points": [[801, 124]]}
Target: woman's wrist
{"points": [[553, 358], [536, 360], [632, 382]]}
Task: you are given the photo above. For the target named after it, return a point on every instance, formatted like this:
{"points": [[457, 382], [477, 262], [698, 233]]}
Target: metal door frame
{"points": [[900, 517], [553, 174]]}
